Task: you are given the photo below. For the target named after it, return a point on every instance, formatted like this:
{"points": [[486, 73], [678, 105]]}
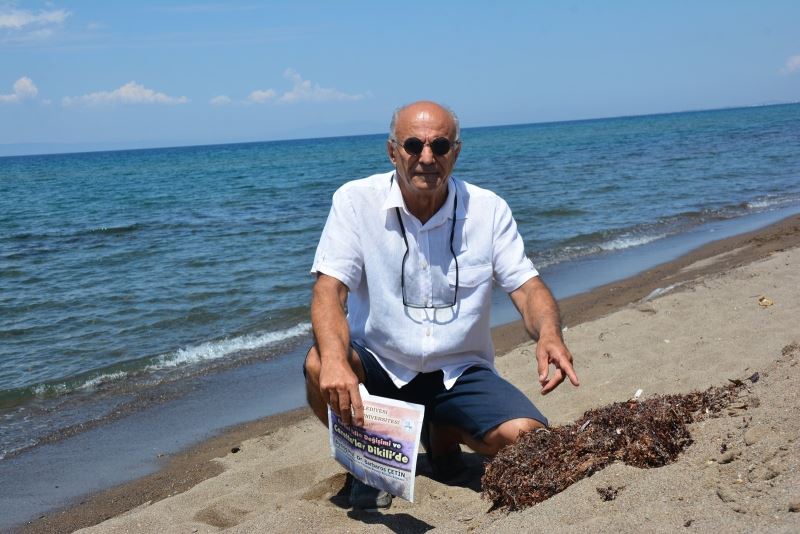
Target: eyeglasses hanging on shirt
{"points": [[442, 296]]}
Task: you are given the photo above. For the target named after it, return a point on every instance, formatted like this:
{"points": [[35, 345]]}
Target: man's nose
{"points": [[426, 157]]}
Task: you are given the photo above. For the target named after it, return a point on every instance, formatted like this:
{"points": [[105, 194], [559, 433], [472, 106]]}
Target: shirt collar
{"points": [[395, 200], [395, 197]]}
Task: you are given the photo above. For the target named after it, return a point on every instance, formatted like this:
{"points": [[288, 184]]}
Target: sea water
{"points": [[124, 271]]}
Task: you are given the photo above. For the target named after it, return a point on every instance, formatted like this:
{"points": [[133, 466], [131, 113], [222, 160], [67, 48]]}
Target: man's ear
{"points": [[390, 152]]}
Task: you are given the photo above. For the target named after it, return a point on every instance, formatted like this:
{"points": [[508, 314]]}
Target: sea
{"points": [[126, 275]]}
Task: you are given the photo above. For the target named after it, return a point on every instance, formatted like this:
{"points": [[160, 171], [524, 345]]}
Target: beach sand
{"points": [[708, 328]]}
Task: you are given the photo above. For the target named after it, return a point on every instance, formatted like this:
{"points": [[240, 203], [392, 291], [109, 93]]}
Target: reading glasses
{"points": [[430, 304]]}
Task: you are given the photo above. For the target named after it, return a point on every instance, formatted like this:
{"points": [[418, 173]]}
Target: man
{"points": [[402, 299]]}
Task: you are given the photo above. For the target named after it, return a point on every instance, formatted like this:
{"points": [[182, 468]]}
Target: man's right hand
{"points": [[338, 381], [338, 385]]}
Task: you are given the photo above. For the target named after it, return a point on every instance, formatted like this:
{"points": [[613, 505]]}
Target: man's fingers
{"points": [[561, 358], [344, 407], [564, 362], [358, 408], [339, 388], [347, 405], [571, 374], [558, 377], [333, 402], [542, 364]]}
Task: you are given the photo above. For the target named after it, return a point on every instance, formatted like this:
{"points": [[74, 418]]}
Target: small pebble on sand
{"points": [[726, 494], [729, 456], [754, 435]]}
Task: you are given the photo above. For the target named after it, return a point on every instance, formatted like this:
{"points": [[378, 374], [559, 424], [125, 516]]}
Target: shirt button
{"points": [[423, 264], [428, 331]]}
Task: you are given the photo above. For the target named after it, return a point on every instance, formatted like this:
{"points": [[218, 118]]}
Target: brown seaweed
{"points": [[644, 434]]}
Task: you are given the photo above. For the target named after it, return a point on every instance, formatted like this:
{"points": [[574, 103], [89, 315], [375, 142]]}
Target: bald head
{"points": [[424, 107], [423, 147]]}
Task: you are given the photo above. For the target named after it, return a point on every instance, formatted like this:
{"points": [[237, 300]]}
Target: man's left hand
{"points": [[552, 350]]}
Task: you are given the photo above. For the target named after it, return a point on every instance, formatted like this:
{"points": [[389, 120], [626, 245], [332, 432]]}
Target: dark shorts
{"points": [[479, 400]]}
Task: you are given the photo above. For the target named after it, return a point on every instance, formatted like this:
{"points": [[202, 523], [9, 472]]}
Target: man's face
{"points": [[425, 174]]}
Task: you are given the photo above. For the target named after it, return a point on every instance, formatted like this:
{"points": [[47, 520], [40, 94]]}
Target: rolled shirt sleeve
{"points": [[339, 253], [512, 268]]}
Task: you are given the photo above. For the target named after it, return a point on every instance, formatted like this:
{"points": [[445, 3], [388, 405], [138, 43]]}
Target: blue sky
{"points": [[81, 74]]}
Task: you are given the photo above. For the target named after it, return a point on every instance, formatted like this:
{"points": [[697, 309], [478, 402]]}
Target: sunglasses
{"points": [[439, 146]]}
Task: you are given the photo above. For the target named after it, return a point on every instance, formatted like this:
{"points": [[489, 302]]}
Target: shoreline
{"points": [[190, 467], [721, 255]]}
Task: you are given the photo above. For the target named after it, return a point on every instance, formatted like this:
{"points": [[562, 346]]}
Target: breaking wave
{"points": [[214, 350]]}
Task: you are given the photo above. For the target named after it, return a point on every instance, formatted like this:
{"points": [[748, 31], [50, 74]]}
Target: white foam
{"points": [[213, 350], [61, 388], [628, 242], [96, 381], [760, 204]]}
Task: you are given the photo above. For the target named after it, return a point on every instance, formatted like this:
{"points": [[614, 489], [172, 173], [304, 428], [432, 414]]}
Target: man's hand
{"points": [[338, 385], [551, 349], [542, 320], [338, 381]]}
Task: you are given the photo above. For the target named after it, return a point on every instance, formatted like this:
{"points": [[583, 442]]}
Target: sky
{"points": [[84, 75]]}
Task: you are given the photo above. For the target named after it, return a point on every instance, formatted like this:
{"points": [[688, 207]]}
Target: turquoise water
{"points": [[123, 271]]}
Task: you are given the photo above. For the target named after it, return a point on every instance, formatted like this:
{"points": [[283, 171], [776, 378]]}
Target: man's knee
{"points": [[312, 365], [508, 432], [311, 370]]}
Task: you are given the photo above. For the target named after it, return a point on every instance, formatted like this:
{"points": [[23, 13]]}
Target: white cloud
{"points": [[23, 88], [18, 19], [220, 100], [792, 65], [20, 26], [260, 96], [304, 90], [130, 93]]}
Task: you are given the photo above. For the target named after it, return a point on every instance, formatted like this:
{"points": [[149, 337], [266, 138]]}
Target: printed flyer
{"points": [[382, 453]]}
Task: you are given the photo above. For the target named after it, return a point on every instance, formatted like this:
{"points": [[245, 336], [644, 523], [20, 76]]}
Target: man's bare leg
{"points": [[443, 438]]}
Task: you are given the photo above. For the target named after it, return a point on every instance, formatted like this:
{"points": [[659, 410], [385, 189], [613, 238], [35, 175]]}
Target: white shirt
{"points": [[362, 246]]}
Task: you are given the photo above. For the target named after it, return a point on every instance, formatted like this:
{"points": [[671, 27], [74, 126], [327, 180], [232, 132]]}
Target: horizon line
{"points": [[229, 143]]}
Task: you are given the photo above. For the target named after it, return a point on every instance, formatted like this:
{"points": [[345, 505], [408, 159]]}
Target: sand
{"points": [[741, 474]]}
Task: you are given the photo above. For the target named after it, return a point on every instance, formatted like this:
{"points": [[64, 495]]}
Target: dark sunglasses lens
{"points": [[440, 146], [413, 146]]}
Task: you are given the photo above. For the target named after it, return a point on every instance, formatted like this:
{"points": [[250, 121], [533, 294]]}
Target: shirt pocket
{"points": [[471, 276]]}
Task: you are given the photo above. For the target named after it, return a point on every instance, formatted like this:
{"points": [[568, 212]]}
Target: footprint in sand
{"points": [[221, 516], [325, 489], [295, 477]]}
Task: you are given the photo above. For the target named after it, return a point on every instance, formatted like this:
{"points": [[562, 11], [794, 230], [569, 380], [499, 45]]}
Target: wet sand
{"points": [[281, 478]]}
